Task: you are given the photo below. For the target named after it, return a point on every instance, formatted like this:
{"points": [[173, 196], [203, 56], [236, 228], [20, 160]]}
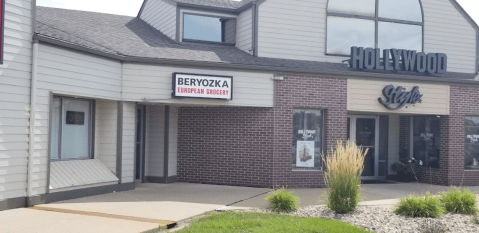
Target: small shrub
{"points": [[420, 206], [457, 202], [281, 200], [342, 176]]}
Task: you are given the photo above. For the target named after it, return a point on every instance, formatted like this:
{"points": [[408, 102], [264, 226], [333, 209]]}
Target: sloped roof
{"points": [[131, 39]]}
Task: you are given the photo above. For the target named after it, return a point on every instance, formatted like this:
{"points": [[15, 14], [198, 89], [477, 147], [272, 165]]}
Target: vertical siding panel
{"points": [[162, 16], [244, 34], [128, 147], [155, 143], [173, 142], [15, 89]]}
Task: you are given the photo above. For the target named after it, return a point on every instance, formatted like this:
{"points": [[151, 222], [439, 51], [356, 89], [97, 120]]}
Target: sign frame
{"points": [[174, 89]]}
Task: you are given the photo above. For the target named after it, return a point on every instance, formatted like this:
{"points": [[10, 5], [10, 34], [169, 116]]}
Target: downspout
{"points": [[31, 151], [255, 29], [33, 100]]}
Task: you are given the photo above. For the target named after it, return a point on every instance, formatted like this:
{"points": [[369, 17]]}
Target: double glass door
{"points": [[364, 130]]}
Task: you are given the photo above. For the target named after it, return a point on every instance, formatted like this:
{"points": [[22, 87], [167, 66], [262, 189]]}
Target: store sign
{"points": [[397, 98], [2, 28], [75, 118], [397, 60], [202, 86]]}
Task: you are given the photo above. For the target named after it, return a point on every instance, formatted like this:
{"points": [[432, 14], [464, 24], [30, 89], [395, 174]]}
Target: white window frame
{"points": [[206, 14]]}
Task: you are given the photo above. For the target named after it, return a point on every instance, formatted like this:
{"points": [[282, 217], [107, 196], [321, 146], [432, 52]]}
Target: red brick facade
{"points": [[249, 146], [464, 102], [252, 146]]}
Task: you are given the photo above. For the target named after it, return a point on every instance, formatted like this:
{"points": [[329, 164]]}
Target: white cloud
{"points": [[118, 7]]}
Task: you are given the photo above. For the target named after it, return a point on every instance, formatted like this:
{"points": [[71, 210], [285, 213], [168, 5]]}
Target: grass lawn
{"points": [[258, 222]]}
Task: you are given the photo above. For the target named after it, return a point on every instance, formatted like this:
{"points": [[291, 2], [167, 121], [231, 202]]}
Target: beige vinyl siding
{"points": [[230, 31], [128, 144], [64, 71], [447, 31], [297, 30], [393, 142], [363, 97], [173, 142], [106, 138], [244, 35], [67, 72], [77, 173], [154, 82], [155, 134], [160, 15], [15, 101]]}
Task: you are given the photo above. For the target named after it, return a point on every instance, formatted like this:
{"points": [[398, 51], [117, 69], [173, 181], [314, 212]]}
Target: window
{"points": [[308, 128], [426, 140], [208, 28], [384, 24], [71, 129], [471, 145]]}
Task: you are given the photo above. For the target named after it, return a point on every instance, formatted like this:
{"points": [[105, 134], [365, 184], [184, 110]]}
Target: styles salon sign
{"points": [[397, 60], [396, 98], [202, 86]]}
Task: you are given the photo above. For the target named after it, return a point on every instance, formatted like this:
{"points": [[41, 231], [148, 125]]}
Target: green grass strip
{"points": [[230, 222]]}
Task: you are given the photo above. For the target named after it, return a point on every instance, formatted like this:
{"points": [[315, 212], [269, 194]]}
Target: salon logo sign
{"points": [[202, 86], [395, 98]]}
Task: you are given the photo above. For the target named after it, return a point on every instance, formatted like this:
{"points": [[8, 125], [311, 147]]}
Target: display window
{"points": [[426, 139], [71, 129], [308, 126], [471, 145]]}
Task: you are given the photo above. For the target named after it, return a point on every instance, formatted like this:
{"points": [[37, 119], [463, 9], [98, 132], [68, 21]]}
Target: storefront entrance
{"points": [[364, 130]]}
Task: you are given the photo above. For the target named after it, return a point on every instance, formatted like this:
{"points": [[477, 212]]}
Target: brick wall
{"points": [[226, 146], [309, 93], [464, 101], [252, 146]]}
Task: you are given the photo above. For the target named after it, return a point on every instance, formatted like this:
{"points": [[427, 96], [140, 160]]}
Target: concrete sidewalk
{"points": [[147, 207], [153, 205], [370, 193]]}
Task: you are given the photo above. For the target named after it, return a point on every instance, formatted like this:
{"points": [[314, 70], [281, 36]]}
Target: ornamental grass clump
{"points": [[281, 200], [344, 166], [414, 206], [459, 202]]}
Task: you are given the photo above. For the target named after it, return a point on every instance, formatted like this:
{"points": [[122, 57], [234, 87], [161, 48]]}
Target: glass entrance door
{"points": [[140, 144], [364, 130]]}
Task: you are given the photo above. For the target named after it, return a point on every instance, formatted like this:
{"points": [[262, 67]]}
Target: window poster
{"points": [[305, 154]]}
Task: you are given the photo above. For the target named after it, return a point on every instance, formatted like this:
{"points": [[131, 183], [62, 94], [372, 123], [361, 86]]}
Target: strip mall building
{"points": [[244, 93]]}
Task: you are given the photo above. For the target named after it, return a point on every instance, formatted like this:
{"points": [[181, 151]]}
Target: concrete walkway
{"points": [[150, 206], [372, 194], [147, 207]]}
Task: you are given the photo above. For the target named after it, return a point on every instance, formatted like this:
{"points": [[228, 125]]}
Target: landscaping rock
{"points": [[383, 220]]}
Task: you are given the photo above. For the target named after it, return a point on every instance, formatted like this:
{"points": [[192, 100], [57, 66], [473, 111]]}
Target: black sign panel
{"points": [[397, 60], [75, 118], [397, 98]]}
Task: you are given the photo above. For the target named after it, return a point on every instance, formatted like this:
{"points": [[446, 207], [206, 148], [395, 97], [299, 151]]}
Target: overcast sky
{"points": [[131, 7]]}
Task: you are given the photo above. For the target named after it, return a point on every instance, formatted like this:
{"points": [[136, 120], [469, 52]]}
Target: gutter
{"points": [[33, 95], [242, 67]]}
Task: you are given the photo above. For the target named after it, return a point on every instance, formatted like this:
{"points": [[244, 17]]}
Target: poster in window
{"points": [[305, 154], [75, 118]]}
